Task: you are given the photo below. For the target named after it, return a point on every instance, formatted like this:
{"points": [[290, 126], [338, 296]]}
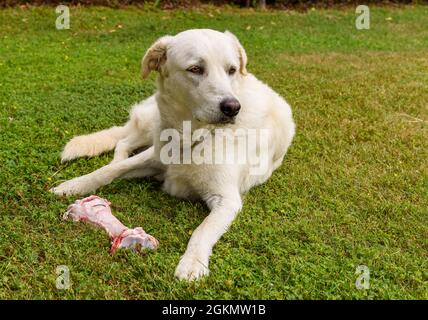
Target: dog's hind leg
{"points": [[94, 144], [103, 176], [137, 132], [143, 118], [125, 146]]}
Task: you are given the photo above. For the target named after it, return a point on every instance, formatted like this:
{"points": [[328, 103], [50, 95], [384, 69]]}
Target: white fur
{"points": [[182, 95]]}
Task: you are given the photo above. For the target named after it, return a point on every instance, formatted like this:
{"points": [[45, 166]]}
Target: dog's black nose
{"points": [[230, 107]]}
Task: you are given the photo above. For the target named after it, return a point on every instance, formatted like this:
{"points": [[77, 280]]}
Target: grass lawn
{"points": [[352, 191]]}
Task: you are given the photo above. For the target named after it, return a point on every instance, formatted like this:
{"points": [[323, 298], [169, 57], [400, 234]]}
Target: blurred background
{"points": [[170, 4]]}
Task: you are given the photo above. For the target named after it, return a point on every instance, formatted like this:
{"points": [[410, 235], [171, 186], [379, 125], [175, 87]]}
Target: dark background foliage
{"points": [[169, 4]]}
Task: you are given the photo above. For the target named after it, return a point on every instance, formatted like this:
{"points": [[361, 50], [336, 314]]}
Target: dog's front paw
{"points": [[191, 267], [76, 186]]}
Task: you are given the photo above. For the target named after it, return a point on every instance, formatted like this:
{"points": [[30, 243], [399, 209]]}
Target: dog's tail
{"points": [[93, 144]]}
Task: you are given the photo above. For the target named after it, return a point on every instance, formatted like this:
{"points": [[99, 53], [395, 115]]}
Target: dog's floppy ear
{"points": [[155, 56], [241, 52]]}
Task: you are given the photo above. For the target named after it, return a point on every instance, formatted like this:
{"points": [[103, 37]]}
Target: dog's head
{"points": [[200, 70]]}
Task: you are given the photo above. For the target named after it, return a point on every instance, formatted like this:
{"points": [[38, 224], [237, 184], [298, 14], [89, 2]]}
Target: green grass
{"points": [[352, 191]]}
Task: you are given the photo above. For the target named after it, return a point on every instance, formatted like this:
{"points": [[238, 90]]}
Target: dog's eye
{"points": [[196, 70], [232, 71]]}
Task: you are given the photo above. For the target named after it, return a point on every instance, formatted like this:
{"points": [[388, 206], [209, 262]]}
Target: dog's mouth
{"points": [[221, 120], [227, 120]]}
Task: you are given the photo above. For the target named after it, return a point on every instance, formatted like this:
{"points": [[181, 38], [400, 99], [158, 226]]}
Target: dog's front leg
{"points": [[103, 176], [194, 263]]}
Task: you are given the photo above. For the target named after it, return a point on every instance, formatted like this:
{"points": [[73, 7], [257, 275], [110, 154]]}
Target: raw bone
{"points": [[97, 211]]}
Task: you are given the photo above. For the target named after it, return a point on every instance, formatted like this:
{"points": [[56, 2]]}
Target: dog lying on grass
{"points": [[204, 91]]}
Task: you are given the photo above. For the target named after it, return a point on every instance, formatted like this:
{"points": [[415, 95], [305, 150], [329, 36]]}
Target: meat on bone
{"points": [[97, 211]]}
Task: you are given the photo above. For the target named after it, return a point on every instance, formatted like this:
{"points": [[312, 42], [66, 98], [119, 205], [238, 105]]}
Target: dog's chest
{"points": [[177, 183]]}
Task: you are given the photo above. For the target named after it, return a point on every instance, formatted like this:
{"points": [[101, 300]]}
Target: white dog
{"points": [[202, 80]]}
